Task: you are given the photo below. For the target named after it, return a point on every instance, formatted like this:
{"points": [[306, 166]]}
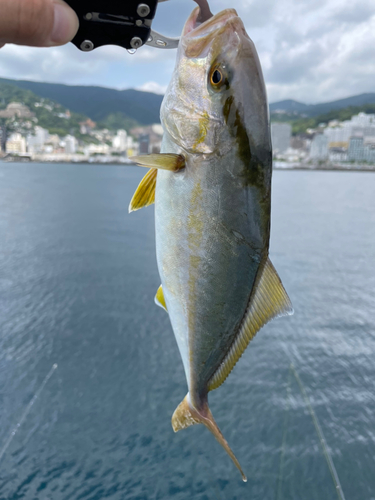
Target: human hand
{"points": [[38, 23]]}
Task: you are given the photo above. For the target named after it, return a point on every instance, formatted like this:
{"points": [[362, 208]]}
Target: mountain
{"points": [[114, 109], [301, 124], [297, 108], [47, 113], [110, 107], [288, 106]]}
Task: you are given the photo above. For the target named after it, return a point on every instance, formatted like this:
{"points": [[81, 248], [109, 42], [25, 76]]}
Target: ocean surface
{"points": [[78, 277]]}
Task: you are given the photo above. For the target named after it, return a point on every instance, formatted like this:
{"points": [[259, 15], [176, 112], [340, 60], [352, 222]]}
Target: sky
{"points": [[310, 50]]}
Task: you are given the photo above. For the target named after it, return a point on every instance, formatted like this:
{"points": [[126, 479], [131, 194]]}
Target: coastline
{"points": [[327, 166], [106, 160]]}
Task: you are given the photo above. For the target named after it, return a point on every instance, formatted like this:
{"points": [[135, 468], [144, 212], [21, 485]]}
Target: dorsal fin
{"points": [[159, 298], [144, 195], [268, 300]]}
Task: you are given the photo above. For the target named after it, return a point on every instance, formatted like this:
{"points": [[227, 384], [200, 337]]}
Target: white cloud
{"points": [[319, 51], [310, 51], [154, 87]]}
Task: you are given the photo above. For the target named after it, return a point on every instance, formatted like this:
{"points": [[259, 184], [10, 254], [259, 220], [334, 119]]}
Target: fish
{"points": [[211, 185]]}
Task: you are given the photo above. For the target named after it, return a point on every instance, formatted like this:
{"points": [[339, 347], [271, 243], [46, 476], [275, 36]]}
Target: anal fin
{"points": [[144, 195], [159, 298], [268, 301]]}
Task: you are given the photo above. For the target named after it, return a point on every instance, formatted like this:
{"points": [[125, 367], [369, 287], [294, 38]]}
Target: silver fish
{"points": [[212, 208]]}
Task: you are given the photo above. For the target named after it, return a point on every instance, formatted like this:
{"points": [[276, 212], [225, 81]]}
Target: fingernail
{"points": [[65, 25]]}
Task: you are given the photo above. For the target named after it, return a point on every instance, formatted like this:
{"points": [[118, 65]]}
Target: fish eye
{"points": [[216, 77]]}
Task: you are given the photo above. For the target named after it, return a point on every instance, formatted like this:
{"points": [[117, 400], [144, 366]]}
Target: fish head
{"points": [[217, 82]]}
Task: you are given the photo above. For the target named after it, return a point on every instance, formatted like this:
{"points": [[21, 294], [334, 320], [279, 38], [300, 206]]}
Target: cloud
{"points": [[154, 87], [310, 51], [315, 54], [107, 66]]}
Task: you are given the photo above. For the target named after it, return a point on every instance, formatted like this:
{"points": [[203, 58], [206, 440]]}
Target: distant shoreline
{"points": [[279, 166], [328, 168]]}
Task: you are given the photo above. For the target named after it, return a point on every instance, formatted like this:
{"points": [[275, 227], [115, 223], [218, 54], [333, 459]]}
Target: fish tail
{"points": [[187, 415]]}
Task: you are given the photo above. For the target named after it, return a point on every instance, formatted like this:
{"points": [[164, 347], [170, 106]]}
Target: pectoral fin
{"points": [[269, 300], [164, 161], [144, 195], [159, 299]]}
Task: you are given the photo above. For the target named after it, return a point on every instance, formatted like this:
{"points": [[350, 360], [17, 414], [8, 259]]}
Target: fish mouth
{"points": [[194, 29]]}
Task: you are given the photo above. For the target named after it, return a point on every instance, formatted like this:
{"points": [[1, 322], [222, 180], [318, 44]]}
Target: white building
{"points": [[361, 151], [155, 137], [338, 154], [363, 120], [70, 145], [16, 144], [369, 155], [281, 134], [120, 141], [319, 147], [339, 134], [356, 149], [54, 140], [97, 149], [36, 142]]}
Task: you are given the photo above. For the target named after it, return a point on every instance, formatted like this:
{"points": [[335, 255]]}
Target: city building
{"points": [[3, 138], [96, 149], [16, 110], [363, 120], [54, 141], [155, 133], [338, 154], [319, 147], [70, 145], [301, 143], [339, 133], [36, 142], [356, 150], [120, 141], [338, 136], [66, 115], [144, 144], [281, 134], [361, 151], [87, 127], [369, 153], [16, 144]]}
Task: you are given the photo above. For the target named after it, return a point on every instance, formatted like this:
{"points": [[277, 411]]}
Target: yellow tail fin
{"points": [[185, 416]]}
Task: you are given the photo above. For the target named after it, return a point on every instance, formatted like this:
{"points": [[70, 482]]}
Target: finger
{"points": [[39, 23]]}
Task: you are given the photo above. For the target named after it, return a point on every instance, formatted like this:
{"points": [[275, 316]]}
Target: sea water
{"points": [[78, 277]]}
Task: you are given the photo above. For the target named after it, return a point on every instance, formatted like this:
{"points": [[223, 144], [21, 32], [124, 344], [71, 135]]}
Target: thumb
{"points": [[38, 23]]}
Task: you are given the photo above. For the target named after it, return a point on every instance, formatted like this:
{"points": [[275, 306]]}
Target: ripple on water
{"points": [[77, 281]]}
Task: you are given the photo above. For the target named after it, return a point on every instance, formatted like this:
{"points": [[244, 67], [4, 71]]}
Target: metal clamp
{"points": [[162, 42], [118, 22]]}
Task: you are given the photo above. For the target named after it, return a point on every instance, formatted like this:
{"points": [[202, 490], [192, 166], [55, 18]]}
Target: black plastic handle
{"points": [[126, 23]]}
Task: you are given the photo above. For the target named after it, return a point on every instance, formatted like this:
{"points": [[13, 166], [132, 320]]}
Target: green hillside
{"points": [[114, 109], [46, 112], [124, 108], [293, 108], [300, 125]]}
